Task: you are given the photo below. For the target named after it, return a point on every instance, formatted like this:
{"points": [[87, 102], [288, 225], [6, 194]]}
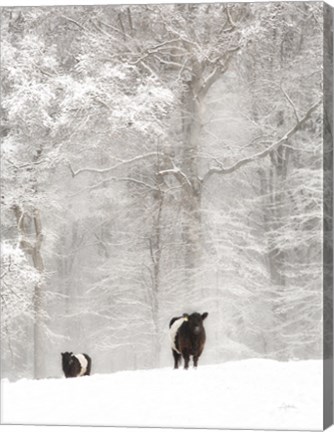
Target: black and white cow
{"points": [[187, 336], [75, 365]]}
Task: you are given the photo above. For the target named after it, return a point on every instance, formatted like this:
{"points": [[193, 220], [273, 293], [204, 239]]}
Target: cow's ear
{"points": [[204, 315]]}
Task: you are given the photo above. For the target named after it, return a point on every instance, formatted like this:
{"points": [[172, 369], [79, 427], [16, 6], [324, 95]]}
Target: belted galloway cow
{"points": [[187, 336], [75, 365]]}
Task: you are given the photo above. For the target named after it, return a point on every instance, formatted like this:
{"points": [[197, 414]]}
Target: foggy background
{"points": [[157, 160]]}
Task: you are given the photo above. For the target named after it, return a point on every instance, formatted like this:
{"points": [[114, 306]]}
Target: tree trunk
{"points": [[274, 214], [191, 184], [156, 250], [33, 249], [278, 175]]}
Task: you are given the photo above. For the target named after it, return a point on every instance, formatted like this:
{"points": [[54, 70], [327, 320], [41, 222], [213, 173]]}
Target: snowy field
{"points": [[247, 394]]}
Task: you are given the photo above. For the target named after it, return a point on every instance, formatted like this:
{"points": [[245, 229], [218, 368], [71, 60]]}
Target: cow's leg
{"points": [[89, 366], [195, 358], [177, 358], [186, 358]]}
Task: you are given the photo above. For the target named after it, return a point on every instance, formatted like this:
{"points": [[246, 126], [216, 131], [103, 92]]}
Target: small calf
{"points": [[187, 335], [75, 365]]}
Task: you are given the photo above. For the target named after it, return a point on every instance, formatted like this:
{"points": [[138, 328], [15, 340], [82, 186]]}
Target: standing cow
{"points": [[75, 365], [187, 335]]}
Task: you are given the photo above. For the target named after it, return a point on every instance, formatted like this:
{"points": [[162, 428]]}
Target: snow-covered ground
{"points": [[248, 394]]}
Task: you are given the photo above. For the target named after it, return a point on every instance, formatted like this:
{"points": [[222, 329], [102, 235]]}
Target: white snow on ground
{"points": [[246, 394]]}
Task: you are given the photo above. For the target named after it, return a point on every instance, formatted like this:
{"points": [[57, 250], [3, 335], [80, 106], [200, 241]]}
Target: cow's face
{"points": [[195, 322], [67, 357]]}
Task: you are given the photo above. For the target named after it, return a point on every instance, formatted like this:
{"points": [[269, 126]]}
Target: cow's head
{"points": [[67, 357], [195, 322]]}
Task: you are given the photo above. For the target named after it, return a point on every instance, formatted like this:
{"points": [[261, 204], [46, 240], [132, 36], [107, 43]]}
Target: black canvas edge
{"points": [[328, 20]]}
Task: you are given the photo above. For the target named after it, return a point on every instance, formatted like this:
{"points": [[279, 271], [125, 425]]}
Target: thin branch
{"points": [[230, 21], [140, 59], [177, 173], [105, 170], [103, 103], [119, 16], [151, 252], [151, 71], [74, 22], [183, 67], [99, 29], [113, 28], [171, 63], [156, 47], [290, 102]]}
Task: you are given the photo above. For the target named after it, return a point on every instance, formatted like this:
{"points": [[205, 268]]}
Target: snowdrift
{"points": [[247, 394]]}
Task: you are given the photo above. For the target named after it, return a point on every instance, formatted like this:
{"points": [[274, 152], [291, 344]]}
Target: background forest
{"points": [[160, 159]]}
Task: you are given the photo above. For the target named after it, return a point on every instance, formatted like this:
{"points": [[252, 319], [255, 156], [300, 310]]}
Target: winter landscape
{"points": [[230, 395], [160, 160]]}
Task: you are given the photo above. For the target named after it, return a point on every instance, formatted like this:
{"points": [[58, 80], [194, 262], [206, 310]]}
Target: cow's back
{"points": [[174, 329]]}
